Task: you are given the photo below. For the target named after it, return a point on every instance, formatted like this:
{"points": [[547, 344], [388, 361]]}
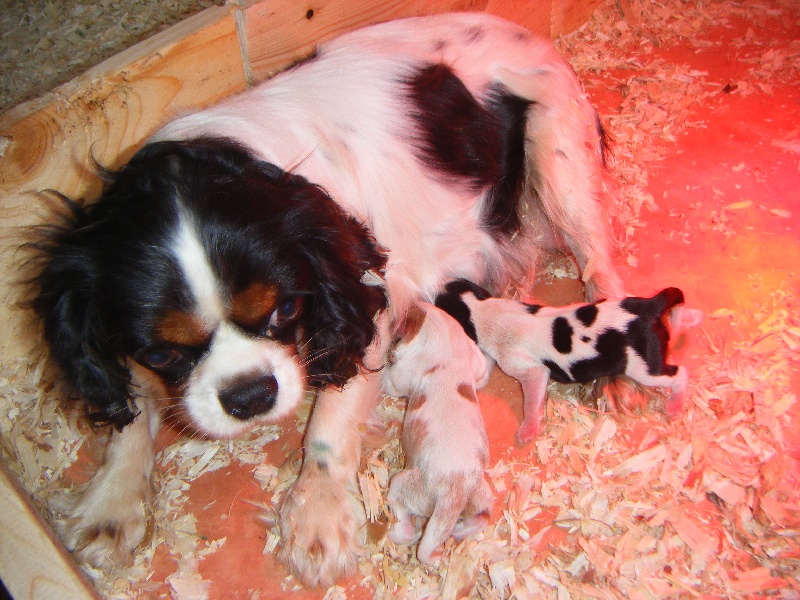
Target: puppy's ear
{"points": [[340, 323], [67, 301], [410, 326]]}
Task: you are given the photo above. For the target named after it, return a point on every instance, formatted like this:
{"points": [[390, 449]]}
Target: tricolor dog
{"points": [[444, 438], [253, 250], [573, 344]]}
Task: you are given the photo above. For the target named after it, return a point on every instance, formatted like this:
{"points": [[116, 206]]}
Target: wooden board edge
{"points": [[33, 564]]}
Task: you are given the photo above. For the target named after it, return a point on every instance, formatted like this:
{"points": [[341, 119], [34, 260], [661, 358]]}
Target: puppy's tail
{"points": [[448, 509]]}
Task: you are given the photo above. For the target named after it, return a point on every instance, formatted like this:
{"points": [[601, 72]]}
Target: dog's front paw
{"points": [[320, 522], [105, 528]]}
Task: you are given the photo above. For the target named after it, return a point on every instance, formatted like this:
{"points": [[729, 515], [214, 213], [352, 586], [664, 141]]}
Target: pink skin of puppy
{"points": [[444, 438], [574, 344]]}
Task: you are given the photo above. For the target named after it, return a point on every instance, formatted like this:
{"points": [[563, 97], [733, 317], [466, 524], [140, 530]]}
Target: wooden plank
{"points": [[33, 565], [102, 116], [282, 31]]}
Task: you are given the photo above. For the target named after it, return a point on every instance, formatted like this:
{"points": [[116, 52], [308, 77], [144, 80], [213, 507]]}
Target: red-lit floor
{"points": [[726, 231]]}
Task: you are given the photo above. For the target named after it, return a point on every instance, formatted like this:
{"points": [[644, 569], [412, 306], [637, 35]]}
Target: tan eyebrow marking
{"points": [[183, 329], [254, 304]]}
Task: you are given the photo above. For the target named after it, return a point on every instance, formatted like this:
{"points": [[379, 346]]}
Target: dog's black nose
{"points": [[249, 395]]}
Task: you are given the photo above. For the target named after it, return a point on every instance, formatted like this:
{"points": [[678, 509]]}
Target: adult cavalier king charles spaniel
{"points": [[270, 244]]}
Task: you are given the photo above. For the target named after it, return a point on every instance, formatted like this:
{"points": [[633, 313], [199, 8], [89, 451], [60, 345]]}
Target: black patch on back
{"points": [[451, 302], [611, 359], [457, 136], [483, 146], [562, 335], [587, 314], [556, 372], [501, 212], [532, 309]]}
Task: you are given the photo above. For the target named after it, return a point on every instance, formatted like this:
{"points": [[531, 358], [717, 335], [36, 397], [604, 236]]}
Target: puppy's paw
{"points": [[528, 430], [674, 403], [321, 521], [469, 526], [403, 532]]}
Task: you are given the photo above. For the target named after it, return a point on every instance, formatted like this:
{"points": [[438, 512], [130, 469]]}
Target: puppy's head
{"points": [[432, 350], [233, 282]]}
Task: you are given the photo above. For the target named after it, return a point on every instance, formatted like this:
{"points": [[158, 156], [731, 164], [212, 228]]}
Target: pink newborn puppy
{"points": [[444, 438]]}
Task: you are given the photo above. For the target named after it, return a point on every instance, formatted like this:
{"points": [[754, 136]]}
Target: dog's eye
{"points": [[162, 358], [288, 310]]}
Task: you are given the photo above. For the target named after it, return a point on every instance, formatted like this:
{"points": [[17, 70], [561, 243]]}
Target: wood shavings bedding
{"points": [[603, 505]]}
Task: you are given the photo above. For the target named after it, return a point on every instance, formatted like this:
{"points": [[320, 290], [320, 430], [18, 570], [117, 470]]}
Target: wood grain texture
{"points": [[282, 31], [33, 565]]}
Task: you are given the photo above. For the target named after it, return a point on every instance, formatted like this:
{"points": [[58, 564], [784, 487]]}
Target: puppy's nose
{"points": [[249, 395]]}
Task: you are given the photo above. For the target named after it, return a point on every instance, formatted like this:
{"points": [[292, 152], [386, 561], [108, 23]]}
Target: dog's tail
{"points": [[446, 513]]}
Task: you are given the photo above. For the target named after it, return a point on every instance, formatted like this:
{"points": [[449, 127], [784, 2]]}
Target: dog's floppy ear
{"points": [[67, 302], [343, 257]]}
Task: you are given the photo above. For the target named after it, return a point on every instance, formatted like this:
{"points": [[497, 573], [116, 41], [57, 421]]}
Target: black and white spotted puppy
{"points": [[574, 344]]}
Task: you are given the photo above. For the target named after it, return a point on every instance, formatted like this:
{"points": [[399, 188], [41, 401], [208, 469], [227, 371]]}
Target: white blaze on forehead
{"points": [[197, 271]]}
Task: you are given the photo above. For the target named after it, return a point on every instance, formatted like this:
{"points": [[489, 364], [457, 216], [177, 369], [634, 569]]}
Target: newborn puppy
{"points": [[573, 344], [444, 438]]}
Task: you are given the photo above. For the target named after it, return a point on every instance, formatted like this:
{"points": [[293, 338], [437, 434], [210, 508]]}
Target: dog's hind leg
{"points": [[441, 524], [404, 484], [564, 146], [476, 513], [534, 393]]}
